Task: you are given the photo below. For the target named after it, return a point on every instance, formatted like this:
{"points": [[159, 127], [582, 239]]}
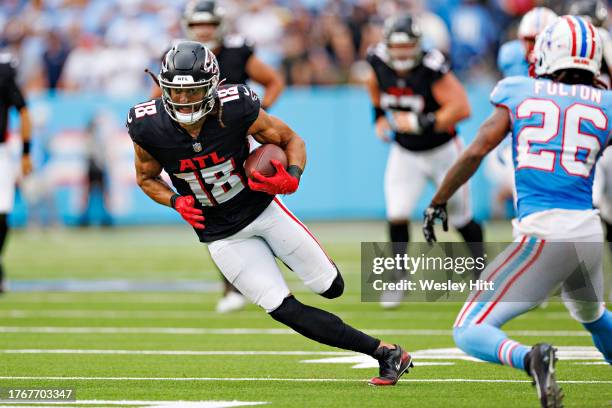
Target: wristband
{"points": [[427, 122], [378, 112], [26, 148], [173, 200], [295, 171]]}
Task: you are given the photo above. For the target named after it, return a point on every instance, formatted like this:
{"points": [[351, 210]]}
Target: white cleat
{"points": [[231, 302]]}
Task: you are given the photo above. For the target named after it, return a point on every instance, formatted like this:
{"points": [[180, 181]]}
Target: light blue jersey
{"points": [[558, 133], [511, 59]]}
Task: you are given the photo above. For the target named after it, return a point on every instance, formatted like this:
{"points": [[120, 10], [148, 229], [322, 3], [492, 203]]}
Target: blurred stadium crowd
{"points": [[103, 45], [94, 52]]}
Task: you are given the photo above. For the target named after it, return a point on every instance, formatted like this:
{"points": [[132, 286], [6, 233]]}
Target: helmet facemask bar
{"points": [[196, 109]]}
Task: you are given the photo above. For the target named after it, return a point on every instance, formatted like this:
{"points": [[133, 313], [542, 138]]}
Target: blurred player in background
{"points": [[96, 182], [203, 22], [417, 104], [197, 132], [513, 57], [560, 121], [10, 95]]}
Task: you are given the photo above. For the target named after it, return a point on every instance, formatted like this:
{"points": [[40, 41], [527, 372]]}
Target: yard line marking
{"points": [[424, 380], [181, 352], [197, 314], [253, 331]]}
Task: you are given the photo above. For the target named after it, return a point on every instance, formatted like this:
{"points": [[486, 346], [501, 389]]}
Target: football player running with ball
{"points": [[197, 132], [560, 123], [203, 21], [417, 103]]}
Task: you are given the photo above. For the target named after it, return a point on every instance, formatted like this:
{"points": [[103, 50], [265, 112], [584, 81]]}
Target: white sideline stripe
{"points": [[245, 331], [181, 352], [423, 380]]}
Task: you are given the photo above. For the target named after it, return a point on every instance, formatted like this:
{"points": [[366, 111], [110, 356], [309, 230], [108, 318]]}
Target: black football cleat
{"points": [[542, 370], [393, 363]]}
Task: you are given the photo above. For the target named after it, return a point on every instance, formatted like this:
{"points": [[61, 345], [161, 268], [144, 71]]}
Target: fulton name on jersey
{"points": [[550, 88]]}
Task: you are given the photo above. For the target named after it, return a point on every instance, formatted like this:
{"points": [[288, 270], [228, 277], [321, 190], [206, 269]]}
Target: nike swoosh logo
{"points": [[129, 118], [398, 365]]}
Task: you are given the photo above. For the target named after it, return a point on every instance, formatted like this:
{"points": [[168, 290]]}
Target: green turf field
{"points": [[140, 346]]}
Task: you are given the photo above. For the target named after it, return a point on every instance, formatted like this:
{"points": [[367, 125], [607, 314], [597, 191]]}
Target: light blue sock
{"points": [[601, 331], [489, 343]]}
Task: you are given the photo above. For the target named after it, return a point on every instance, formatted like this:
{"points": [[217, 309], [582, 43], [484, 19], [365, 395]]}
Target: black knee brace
{"points": [[336, 289], [323, 327]]}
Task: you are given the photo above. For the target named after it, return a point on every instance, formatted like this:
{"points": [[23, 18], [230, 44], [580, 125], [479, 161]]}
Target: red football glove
{"points": [[280, 183], [185, 205]]}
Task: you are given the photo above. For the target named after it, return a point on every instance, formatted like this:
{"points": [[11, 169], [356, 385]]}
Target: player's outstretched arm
{"points": [[148, 177], [265, 75], [490, 134], [26, 136], [270, 129], [383, 128], [453, 101]]}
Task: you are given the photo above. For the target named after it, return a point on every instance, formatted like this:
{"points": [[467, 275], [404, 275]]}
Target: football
{"points": [[259, 160]]}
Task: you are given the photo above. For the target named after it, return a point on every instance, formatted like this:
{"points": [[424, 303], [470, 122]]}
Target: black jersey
{"points": [[10, 94], [209, 167], [411, 92], [233, 57]]}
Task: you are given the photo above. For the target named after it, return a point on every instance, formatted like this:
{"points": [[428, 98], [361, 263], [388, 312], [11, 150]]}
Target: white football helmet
{"points": [[534, 22], [569, 43]]}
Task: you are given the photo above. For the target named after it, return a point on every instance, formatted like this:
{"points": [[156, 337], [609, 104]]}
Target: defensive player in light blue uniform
{"points": [[560, 123], [512, 59]]}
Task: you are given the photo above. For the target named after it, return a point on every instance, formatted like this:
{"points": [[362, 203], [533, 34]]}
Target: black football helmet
{"points": [[203, 12], [402, 36], [192, 68], [595, 10]]}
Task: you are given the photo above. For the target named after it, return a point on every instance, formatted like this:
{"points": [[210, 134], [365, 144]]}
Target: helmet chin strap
{"points": [[403, 65], [189, 118], [193, 117]]}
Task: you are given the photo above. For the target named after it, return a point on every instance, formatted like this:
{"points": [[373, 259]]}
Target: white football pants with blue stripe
{"points": [[526, 273]]}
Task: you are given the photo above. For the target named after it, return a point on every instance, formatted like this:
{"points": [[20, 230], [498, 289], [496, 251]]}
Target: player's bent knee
{"points": [[460, 336], [336, 288], [287, 311]]}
